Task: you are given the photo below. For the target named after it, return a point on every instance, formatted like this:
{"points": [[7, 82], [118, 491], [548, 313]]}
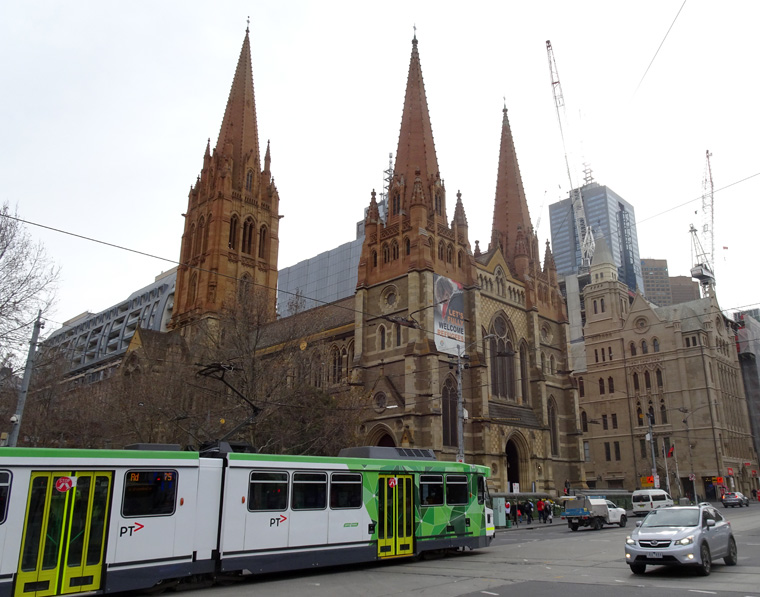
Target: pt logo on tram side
{"points": [[133, 528], [275, 522]]}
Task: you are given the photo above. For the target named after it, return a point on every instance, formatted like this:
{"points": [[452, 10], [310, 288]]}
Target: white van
{"points": [[646, 500]]}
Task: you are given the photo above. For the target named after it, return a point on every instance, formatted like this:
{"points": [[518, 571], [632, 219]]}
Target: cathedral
{"points": [[430, 314], [454, 348]]}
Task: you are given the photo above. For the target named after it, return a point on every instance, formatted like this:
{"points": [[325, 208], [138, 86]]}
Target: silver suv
{"points": [[681, 536]]}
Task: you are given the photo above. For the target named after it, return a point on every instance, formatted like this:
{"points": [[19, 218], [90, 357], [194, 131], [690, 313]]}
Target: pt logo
{"points": [[129, 530], [275, 522]]}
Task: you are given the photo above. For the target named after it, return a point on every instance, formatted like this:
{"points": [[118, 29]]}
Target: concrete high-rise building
{"points": [[683, 289], [610, 216], [656, 281]]}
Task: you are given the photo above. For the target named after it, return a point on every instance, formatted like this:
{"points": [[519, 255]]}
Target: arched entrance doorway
{"points": [[513, 463], [387, 441]]}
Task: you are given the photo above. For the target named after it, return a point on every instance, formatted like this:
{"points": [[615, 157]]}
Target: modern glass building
{"points": [[610, 216]]}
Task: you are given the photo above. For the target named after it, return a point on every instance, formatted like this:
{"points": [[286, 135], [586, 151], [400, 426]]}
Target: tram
{"points": [[102, 521]]}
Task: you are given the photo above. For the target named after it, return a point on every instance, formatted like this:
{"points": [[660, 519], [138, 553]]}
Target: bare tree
{"points": [[27, 283]]}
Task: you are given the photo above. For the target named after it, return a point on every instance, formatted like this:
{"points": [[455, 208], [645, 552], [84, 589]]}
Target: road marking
{"points": [[705, 592], [488, 593]]}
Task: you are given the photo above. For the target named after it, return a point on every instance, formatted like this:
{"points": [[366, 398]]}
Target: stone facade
{"points": [[230, 242], [676, 366]]}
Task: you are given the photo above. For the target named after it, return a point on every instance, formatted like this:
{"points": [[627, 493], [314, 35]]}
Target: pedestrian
{"points": [[519, 514], [508, 510], [529, 511], [540, 508], [549, 513], [754, 493]]}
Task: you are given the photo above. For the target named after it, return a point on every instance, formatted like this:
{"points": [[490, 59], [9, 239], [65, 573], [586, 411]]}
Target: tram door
{"points": [[395, 535], [64, 533]]}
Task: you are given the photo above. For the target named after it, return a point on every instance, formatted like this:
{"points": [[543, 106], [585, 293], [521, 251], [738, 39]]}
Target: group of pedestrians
{"points": [[520, 511]]}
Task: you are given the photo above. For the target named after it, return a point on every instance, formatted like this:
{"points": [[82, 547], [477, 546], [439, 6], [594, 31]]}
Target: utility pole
{"points": [[650, 416], [667, 476], [16, 418], [460, 408]]}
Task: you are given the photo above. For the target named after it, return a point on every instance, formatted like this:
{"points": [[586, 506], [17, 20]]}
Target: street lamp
{"points": [[460, 398]]}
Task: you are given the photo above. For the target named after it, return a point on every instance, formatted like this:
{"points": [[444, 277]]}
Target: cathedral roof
{"points": [[239, 126], [416, 149], [510, 205]]}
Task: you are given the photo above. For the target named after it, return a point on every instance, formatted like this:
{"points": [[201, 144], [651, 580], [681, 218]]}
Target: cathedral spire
{"points": [[510, 206], [416, 149], [239, 136]]}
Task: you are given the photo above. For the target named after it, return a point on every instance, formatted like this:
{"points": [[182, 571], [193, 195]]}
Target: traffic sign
{"points": [[392, 482], [692, 476]]}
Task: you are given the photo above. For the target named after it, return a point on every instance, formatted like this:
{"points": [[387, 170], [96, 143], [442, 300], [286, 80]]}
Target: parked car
{"points": [[733, 499], [681, 536], [592, 512]]}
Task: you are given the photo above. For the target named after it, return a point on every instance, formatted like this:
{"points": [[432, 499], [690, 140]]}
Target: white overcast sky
{"points": [[105, 108]]}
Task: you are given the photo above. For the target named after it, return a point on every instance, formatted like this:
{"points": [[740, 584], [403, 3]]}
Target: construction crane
{"points": [[585, 234], [708, 216], [701, 270]]}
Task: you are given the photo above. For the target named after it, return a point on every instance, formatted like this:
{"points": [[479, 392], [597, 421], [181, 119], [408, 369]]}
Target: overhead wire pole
{"points": [[585, 234], [24, 389]]}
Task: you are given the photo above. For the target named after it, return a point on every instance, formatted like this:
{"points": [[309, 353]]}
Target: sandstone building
{"points": [[676, 366]]}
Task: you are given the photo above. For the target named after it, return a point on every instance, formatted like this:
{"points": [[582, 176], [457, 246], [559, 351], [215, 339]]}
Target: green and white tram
{"points": [[74, 521]]}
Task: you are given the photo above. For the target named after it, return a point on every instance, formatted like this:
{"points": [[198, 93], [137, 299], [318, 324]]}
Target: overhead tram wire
{"points": [[659, 47], [318, 301]]}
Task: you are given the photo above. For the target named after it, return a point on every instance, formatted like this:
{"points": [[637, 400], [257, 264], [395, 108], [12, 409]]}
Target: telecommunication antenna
{"points": [[585, 234]]}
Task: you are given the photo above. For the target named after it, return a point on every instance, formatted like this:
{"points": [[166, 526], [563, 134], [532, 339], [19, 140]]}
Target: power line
{"points": [[659, 47]]}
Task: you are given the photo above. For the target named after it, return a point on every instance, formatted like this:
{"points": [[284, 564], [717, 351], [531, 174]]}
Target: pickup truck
{"points": [[592, 512]]}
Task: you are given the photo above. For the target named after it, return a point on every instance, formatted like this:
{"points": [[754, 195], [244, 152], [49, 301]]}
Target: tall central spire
{"points": [[510, 211], [416, 149], [239, 135]]}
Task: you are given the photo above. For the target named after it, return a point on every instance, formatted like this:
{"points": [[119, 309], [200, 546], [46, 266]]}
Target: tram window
{"points": [[149, 493], [482, 491], [309, 491], [345, 490], [431, 490], [268, 490], [457, 491], [5, 492]]}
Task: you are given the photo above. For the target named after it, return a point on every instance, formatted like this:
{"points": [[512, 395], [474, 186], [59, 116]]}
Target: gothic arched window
{"points": [[663, 413], [524, 373], [386, 254], [658, 375], [633, 349], [639, 414], [407, 246], [647, 380], [234, 225], [644, 347], [610, 385], [584, 421], [394, 250], [601, 386], [263, 243], [636, 381], [247, 236], [656, 345], [449, 413], [335, 365], [502, 360], [553, 426], [249, 181], [200, 236]]}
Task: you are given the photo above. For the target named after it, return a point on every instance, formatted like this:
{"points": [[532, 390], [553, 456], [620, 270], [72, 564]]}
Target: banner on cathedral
{"points": [[449, 315]]}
